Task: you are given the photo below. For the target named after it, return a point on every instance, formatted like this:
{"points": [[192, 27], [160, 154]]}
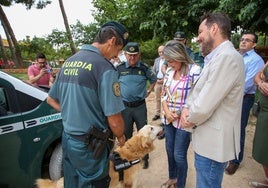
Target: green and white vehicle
{"points": [[30, 134]]}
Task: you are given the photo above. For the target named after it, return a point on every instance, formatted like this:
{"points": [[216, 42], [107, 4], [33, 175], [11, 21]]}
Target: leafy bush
{"points": [[149, 51]]}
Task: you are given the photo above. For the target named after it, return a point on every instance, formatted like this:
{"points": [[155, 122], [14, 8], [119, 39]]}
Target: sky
{"points": [[39, 23]]}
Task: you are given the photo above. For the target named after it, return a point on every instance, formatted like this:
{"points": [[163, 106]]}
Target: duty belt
{"points": [[134, 103]]}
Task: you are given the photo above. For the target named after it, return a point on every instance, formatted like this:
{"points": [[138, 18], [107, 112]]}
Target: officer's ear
{"points": [[112, 41]]}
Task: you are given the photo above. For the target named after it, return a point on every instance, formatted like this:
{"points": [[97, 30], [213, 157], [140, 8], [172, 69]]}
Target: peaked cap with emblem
{"points": [[179, 35], [132, 48], [119, 28]]}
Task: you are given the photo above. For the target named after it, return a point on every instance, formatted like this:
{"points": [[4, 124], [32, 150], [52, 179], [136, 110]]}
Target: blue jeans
{"points": [[246, 107], [177, 143], [209, 173]]}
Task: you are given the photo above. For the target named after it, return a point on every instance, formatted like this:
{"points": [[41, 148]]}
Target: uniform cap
{"points": [[179, 35], [119, 28], [132, 48]]}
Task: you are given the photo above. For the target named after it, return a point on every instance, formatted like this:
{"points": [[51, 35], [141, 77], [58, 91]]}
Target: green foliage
{"points": [[39, 4], [249, 14], [149, 22], [149, 51], [6, 3], [84, 34], [21, 76], [235, 39], [30, 48], [58, 38], [262, 40], [158, 20], [149, 19]]}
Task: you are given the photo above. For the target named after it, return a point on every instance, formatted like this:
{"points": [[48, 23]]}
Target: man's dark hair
{"points": [[106, 33], [40, 55], [221, 19], [255, 40]]}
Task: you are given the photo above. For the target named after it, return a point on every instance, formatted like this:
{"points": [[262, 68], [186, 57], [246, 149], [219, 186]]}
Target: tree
{"points": [[11, 47], [82, 34], [249, 14], [31, 47], [148, 19], [7, 27], [72, 46]]}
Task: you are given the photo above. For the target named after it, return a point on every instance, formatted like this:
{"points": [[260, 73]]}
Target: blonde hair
{"points": [[175, 51]]}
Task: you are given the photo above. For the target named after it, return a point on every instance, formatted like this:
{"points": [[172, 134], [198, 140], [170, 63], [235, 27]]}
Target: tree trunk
{"points": [[69, 35], [18, 61], [11, 47]]}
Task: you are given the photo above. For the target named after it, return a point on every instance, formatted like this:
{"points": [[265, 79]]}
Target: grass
{"points": [[21, 76]]}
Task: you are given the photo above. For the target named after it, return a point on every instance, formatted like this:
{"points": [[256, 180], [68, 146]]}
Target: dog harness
{"points": [[121, 164]]}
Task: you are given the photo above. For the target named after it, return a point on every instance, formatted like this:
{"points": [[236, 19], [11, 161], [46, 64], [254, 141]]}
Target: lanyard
{"points": [[170, 94], [184, 80]]}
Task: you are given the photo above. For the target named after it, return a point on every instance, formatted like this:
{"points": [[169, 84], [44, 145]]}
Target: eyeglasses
{"points": [[246, 40], [180, 40], [41, 63]]}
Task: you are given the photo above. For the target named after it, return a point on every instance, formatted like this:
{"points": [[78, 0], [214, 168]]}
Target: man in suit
{"points": [[158, 63], [213, 108], [158, 87]]}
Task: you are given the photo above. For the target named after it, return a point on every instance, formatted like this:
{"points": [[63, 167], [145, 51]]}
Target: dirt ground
{"points": [[157, 173]]}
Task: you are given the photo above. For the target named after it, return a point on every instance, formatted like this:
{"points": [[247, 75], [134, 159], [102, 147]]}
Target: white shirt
{"points": [[160, 74]]}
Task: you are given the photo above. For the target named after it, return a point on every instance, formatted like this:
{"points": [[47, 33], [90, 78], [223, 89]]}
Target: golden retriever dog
{"points": [[134, 149], [47, 183]]}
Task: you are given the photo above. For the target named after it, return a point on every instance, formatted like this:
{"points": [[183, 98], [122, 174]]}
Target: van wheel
{"points": [[55, 163]]}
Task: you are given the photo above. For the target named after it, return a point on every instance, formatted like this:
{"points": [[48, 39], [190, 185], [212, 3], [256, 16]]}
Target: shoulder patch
{"points": [[116, 89]]}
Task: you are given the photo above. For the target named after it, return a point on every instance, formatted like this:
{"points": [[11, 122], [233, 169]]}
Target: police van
{"points": [[30, 134]]}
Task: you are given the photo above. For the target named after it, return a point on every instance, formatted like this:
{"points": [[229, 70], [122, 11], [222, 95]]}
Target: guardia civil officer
{"points": [[87, 93], [181, 38], [133, 77]]}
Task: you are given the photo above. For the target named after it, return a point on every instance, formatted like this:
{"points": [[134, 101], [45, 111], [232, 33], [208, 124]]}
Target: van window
{"points": [[27, 102]]}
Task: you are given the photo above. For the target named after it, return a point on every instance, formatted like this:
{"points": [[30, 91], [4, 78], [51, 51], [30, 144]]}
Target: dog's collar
{"points": [[121, 164]]}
